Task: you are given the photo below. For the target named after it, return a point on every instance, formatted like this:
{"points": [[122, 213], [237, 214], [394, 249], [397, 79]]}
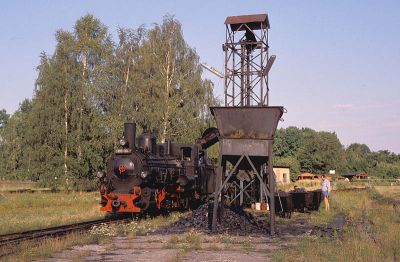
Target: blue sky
{"points": [[337, 67]]}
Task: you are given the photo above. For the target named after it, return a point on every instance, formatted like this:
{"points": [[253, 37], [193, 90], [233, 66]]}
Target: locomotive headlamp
{"points": [[123, 142], [100, 174], [143, 174]]}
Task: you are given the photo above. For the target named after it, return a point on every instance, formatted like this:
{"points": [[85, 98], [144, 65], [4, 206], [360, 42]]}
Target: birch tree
{"points": [[176, 97]]}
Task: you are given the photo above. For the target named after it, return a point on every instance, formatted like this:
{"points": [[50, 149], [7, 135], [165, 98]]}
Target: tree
{"points": [[321, 152], [360, 149], [118, 87], [356, 157], [89, 86], [175, 97], [64, 111], [3, 118], [287, 141], [14, 151]]}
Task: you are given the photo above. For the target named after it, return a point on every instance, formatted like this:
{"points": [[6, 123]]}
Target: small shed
{"points": [[282, 174], [307, 176], [356, 175]]}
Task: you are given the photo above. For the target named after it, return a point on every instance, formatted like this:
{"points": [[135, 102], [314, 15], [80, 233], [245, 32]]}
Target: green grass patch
{"points": [[375, 239], [27, 211]]}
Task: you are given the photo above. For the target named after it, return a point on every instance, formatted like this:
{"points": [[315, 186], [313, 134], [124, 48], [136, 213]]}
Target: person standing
{"points": [[326, 189]]}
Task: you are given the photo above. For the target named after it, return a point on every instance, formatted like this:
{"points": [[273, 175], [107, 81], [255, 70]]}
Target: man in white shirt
{"points": [[326, 189]]}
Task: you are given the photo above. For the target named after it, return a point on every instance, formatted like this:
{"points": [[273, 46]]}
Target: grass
{"points": [[247, 245], [136, 227], [27, 211], [378, 239], [389, 191], [185, 243], [16, 185], [29, 251], [316, 184], [99, 234], [188, 241]]}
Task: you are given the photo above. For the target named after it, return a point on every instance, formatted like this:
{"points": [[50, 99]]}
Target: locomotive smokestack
{"points": [[130, 134]]}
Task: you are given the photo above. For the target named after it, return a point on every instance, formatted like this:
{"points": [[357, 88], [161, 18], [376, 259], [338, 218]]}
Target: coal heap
{"points": [[334, 228], [234, 221]]}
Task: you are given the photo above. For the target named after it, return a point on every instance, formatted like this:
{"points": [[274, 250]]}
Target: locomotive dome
{"points": [[147, 142]]}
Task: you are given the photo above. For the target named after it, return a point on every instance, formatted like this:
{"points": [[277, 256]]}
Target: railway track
{"points": [[9, 242]]}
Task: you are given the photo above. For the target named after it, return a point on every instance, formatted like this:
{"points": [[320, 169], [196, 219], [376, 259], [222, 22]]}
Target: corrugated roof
{"points": [[254, 22]]}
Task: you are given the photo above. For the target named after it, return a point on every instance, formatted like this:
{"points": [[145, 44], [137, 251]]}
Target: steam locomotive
{"points": [[143, 176]]}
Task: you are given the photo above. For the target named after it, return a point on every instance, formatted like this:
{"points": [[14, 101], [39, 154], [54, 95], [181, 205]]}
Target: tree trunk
{"points": [[168, 75], [66, 135], [130, 57], [80, 123]]}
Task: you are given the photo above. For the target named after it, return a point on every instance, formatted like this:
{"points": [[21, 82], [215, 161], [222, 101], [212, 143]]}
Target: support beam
{"points": [[261, 187], [271, 182], [216, 198], [243, 191], [218, 192], [258, 175], [270, 192]]}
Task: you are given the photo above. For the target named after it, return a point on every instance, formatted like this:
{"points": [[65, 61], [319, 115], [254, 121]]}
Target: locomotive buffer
{"points": [[246, 123]]}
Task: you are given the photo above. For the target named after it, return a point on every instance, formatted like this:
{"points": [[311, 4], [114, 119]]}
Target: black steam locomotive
{"points": [[143, 176]]}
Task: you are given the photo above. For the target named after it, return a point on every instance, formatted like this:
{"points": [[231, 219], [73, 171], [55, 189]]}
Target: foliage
{"points": [[306, 150], [382, 164], [288, 141], [321, 152], [177, 97], [89, 87]]}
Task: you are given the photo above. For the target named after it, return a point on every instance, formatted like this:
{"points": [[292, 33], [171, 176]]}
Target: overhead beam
{"points": [[213, 70], [270, 62]]}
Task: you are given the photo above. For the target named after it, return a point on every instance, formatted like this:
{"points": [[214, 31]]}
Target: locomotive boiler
{"points": [[143, 176]]}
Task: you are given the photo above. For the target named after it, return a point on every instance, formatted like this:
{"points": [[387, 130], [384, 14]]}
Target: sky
{"points": [[337, 66]]}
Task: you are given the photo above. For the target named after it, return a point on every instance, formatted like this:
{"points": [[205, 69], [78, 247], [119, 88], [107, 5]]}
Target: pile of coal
{"points": [[298, 190], [231, 220], [334, 228]]}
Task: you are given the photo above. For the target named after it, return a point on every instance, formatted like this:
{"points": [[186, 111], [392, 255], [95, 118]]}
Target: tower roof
{"points": [[254, 22]]}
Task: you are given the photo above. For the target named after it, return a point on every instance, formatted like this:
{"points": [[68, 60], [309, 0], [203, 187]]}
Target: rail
{"points": [[8, 242]]}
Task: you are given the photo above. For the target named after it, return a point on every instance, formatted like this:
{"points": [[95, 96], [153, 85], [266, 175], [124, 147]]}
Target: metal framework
{"points": [[246, 60], [246, 123]]}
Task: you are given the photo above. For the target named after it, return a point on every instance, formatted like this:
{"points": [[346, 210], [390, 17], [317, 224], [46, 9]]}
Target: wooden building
{"points": [[356, 175], [308, 176]]}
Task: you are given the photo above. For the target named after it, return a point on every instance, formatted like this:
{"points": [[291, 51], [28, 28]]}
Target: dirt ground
{"points": [[199, 246]]}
